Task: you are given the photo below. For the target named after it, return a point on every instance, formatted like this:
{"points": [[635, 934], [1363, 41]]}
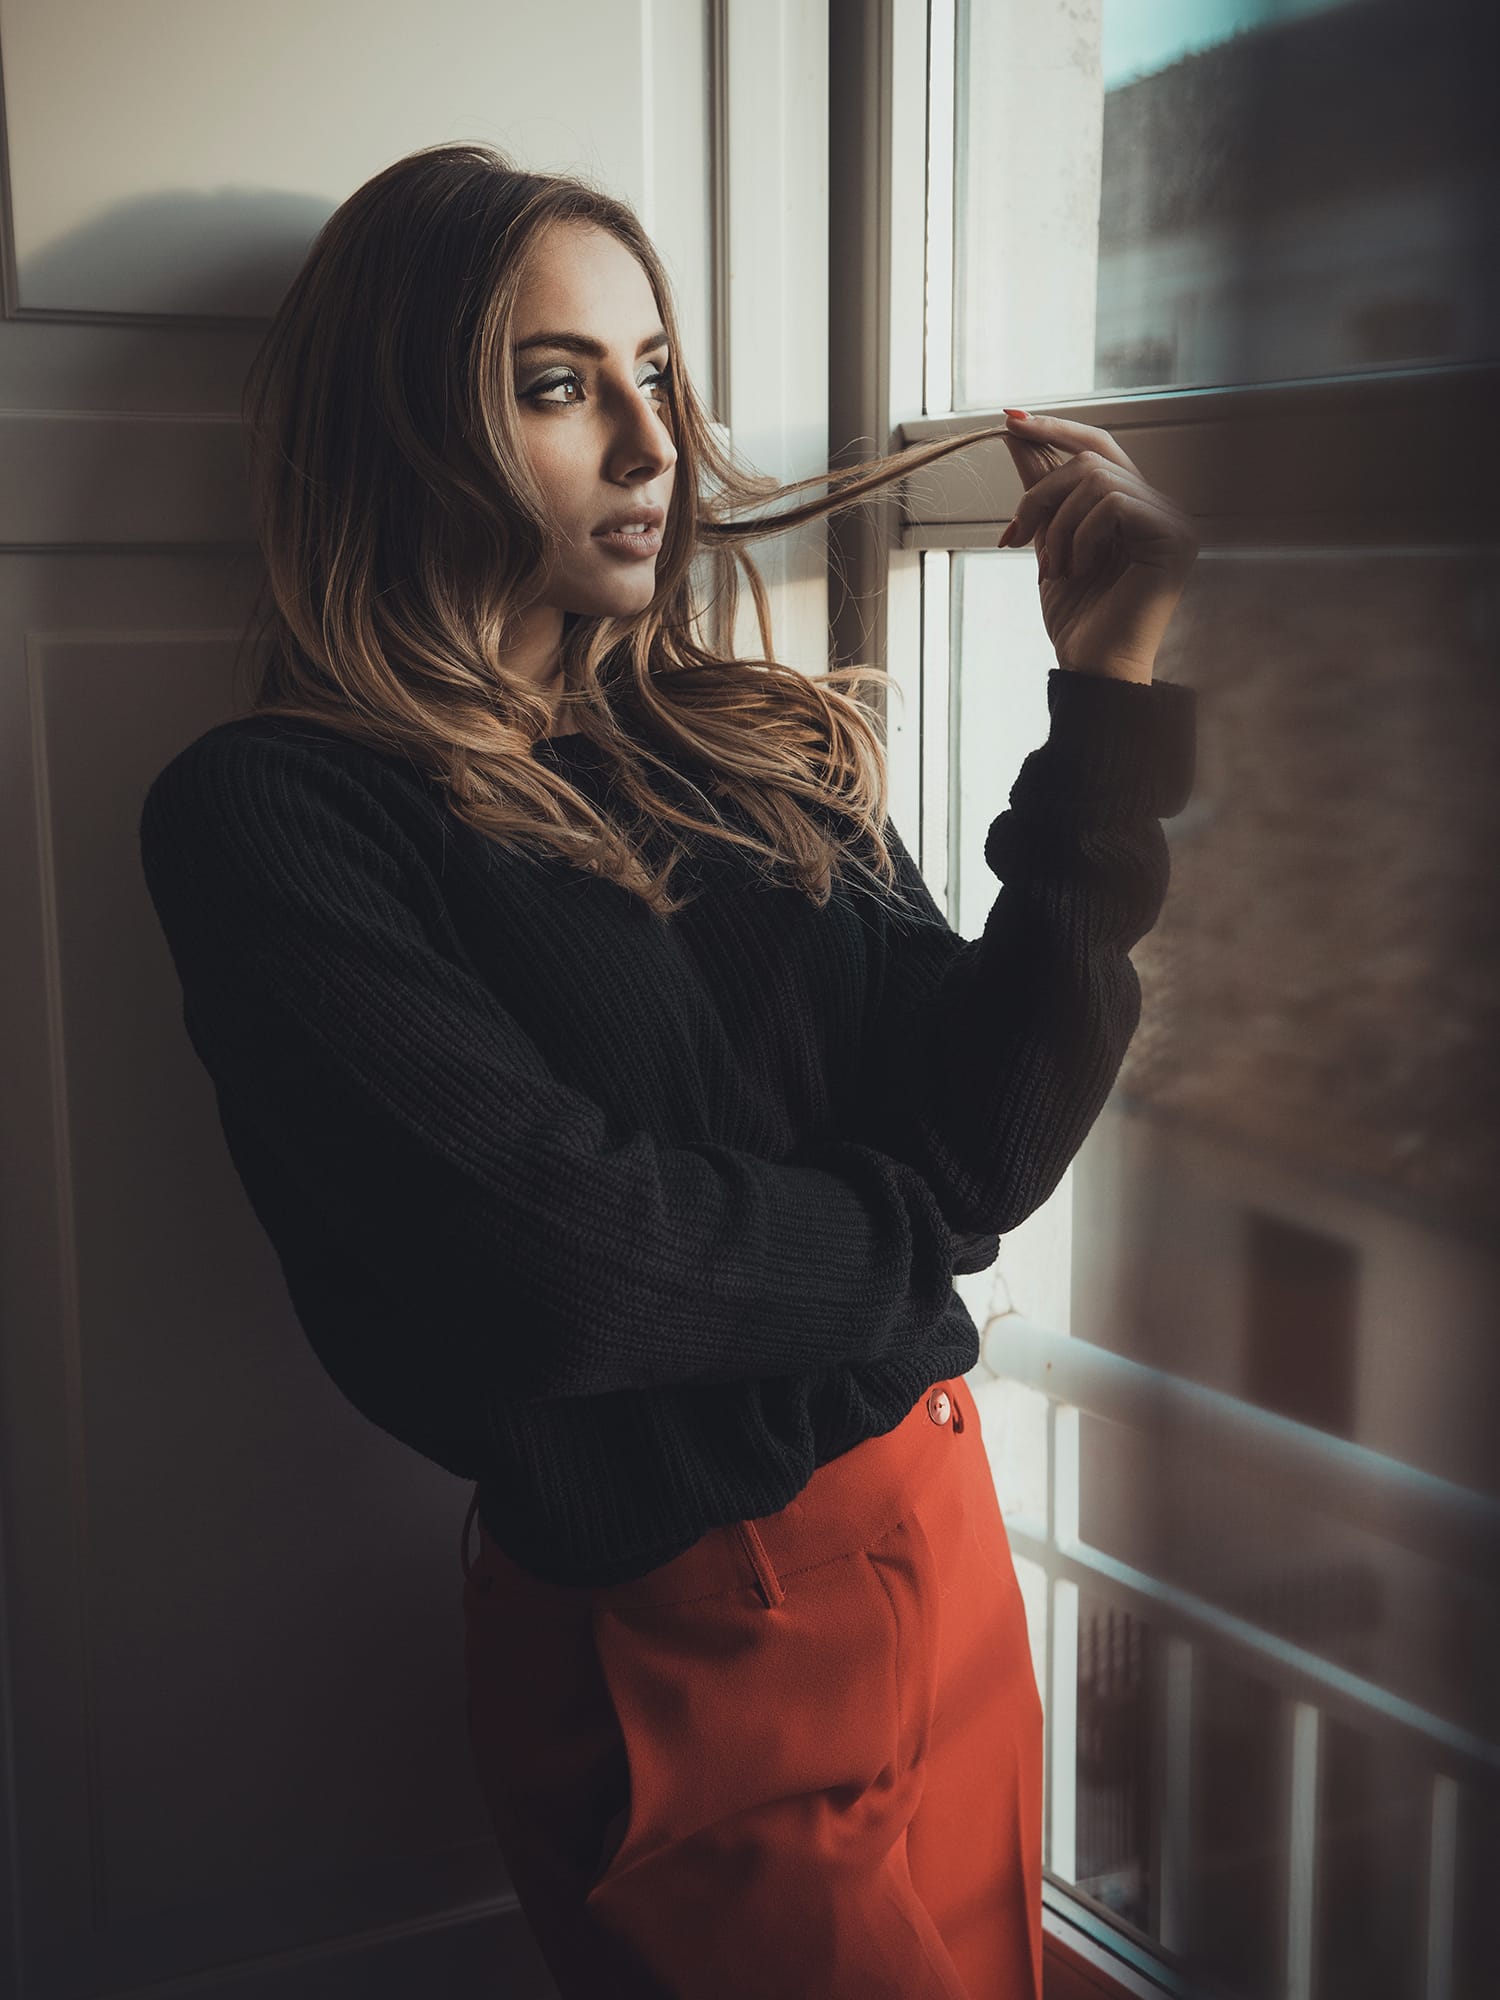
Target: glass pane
{"points": [[1033, 1581], [1015, 1438], [1373, 1810], [1476, 1942], [1113, 1828], [1292, 1197], [1235, 1848], [1157, 192]]}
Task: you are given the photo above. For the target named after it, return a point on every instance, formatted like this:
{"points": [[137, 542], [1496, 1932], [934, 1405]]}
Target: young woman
{"points": [[619, 1124]]}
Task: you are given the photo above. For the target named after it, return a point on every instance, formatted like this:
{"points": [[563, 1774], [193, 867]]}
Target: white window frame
{"points": [[769, 284]]}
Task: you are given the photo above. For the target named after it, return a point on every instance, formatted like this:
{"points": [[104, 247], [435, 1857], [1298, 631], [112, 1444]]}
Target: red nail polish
{"points": [[1021, 416]]}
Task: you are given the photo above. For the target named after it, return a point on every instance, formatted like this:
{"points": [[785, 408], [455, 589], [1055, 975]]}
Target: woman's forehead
{"points": [[578, 269]]}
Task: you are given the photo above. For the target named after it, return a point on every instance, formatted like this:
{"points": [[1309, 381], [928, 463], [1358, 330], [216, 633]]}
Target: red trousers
{"points": [[801, 1761]]}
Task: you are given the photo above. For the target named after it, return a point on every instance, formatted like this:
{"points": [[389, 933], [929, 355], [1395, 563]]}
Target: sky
{"points": [[1141, 36]]}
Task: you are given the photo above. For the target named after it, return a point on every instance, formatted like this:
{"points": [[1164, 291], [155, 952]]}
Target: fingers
{"points": [[1065, 495], [1033, 461], [1100, 506], [1069, 437], [1120, 519]]}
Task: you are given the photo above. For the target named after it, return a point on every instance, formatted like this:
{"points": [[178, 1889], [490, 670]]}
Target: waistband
{"points": [[851, 1503]]}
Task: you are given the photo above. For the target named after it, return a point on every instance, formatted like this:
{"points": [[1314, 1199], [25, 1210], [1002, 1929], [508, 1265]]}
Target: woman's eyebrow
{"points": [[580, 343]]}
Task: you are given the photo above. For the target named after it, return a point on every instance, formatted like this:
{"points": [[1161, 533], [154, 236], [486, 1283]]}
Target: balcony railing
{"points": [[1398, 1502]]}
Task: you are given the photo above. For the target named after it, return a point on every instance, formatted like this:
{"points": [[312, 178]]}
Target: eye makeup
{"points": [[539, 390]]}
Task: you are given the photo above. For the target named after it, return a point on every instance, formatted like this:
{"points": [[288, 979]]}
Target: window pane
{"points": [[1292, 1197], [1113, 1834], [1015, 1436], [1324, 982], [1157, 192], [1373, 1811]]}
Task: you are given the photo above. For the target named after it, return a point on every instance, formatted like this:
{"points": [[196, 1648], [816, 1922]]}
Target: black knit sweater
{"points": [[638, 1222]]}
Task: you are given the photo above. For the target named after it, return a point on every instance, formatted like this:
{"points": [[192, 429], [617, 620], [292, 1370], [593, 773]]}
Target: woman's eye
{"points": [[544, 391]]}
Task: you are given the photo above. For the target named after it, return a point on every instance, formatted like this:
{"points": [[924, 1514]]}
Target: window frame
{"points": [[1315, 465]]}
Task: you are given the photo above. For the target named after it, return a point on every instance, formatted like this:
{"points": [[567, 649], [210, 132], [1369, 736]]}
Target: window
{"points": [[1239, 1379]]}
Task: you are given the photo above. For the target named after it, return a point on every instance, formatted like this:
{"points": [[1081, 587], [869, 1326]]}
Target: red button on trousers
{"points": [[802, 1761]]}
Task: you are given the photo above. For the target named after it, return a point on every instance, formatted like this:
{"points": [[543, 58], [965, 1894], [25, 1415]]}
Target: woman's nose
{"points": [[642, 439]]}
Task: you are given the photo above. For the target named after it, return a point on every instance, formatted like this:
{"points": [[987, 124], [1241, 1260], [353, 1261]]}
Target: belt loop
{"points": [[958, 1415], [463, 1540], [768, 1582]]}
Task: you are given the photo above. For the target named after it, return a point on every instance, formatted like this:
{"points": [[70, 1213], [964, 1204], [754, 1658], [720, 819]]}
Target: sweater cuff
{"points": [[1127, 745]]}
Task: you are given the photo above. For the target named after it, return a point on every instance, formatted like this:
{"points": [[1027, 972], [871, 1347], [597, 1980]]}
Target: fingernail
{"points": [[1021, 416]]}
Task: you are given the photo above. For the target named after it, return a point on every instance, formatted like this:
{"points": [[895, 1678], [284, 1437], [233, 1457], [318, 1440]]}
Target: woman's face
{"points": [[593, 415]]}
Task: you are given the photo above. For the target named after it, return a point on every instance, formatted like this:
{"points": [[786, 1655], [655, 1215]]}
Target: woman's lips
{"points": [[639, 546]]}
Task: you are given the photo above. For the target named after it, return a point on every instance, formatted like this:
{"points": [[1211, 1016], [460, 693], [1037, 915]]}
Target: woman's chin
{"points": [[623, 600]]}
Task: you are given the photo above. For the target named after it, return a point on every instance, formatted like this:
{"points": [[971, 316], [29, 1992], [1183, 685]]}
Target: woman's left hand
{"points": [[1113, 553]]}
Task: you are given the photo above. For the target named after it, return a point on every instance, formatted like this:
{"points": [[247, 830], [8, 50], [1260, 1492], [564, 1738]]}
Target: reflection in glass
{"points": [[1292, 1198], [1113, 1829], [1239, 192]]}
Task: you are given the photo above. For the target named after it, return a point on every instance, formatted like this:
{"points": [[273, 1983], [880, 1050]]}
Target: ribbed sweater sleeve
{"points": [[421, 1129], [988, 1060]]}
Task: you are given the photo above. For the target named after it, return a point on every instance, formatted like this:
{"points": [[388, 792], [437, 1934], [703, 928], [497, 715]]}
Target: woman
{"points": [[641, 1210]]}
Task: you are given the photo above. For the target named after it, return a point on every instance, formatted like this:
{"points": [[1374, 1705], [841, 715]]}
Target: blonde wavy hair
{"points": [[404, 533]]}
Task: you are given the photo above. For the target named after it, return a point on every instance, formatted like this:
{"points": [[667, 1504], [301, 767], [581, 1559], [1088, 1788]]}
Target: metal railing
{"points": [[1403, 1505]]}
